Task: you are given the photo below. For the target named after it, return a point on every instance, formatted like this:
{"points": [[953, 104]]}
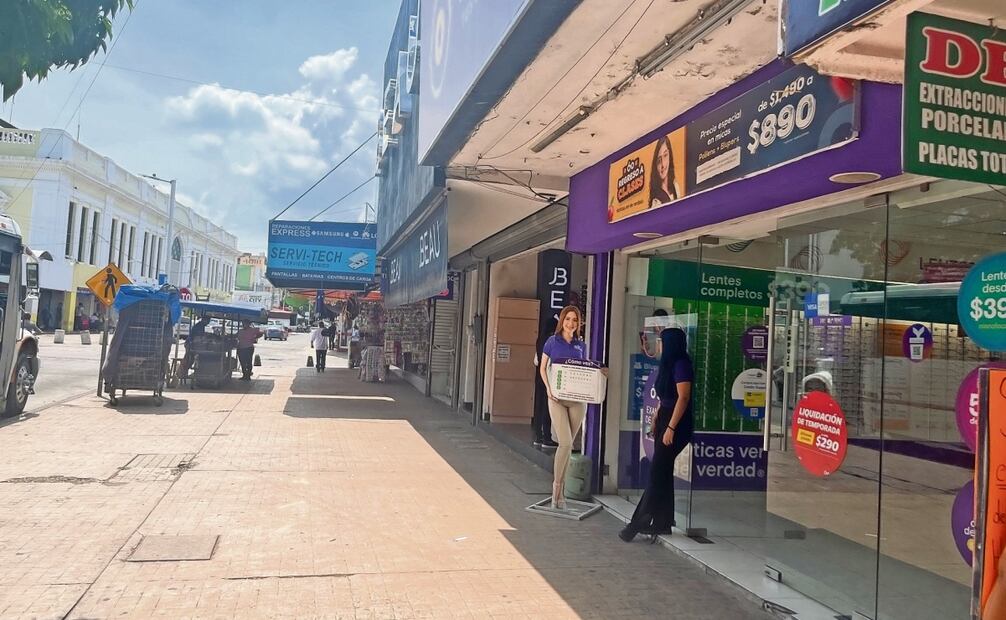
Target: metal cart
{"points": [[211, 359], [141, 358]]}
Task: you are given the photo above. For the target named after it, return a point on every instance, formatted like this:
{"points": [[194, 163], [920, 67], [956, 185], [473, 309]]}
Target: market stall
{"points": [[209, 359]]}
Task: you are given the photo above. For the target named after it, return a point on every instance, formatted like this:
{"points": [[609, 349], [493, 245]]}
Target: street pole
{"points": [[104, 348], [171, 232]]}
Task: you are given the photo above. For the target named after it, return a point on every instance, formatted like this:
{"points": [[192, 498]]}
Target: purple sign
{"points": [[962, 521], [754, 342], [650, 406], [967, 405], [729, 462], [642, 367], [916, 342]]}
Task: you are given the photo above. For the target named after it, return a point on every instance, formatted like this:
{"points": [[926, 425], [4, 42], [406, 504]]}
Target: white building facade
{"points": [[87, 211]]}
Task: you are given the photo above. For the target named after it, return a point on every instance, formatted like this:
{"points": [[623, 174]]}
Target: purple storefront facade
{"points": [[876, 149]]}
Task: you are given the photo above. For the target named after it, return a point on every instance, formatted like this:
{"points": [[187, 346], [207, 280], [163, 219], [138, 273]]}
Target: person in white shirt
{"points": [[320, 343]]}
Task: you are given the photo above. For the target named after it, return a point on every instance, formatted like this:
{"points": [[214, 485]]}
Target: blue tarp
{"points": [[252, 312], [130, 294]]}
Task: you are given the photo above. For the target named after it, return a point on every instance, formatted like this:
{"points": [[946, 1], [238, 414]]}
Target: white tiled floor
{"points": [[738, 566]]}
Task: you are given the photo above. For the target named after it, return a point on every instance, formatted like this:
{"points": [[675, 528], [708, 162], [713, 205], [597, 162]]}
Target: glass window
{"points": [[69, 229], [82, 235], [95, 236]]}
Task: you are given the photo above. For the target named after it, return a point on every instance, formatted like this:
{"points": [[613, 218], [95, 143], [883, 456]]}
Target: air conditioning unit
{"points": [[403, 100]]}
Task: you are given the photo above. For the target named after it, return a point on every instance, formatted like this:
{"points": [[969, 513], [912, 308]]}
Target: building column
{"points": [[69, 307]]}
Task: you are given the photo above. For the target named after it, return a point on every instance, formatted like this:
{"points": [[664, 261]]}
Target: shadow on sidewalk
{"points": [[586, 564], [142, 403], [234, 386]]}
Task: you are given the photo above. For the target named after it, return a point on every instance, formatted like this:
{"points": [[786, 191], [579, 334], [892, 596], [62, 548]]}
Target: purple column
{"points": [[598, 316]]}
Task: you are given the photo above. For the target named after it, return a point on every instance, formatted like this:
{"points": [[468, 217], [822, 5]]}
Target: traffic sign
{"points": [[105, 284]]}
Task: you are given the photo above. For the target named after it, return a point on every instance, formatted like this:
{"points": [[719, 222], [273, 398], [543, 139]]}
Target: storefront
{"points": [[834, 441]]}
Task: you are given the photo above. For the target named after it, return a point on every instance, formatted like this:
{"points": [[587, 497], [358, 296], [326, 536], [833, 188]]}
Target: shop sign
{"points": [[687, 280], [642, 367], [457, 40], [329, 255], [962, 522], [795, 114], [807, 21], [981, 303], [820, 436], [955, 100], [418, 270], [990, 524], [834, 320], [728, 462], [916, 342], [554, 267], [748, 393], [816, 305], [754, 343], [966, 405]]}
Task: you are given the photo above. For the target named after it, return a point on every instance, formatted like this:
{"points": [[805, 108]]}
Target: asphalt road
{"points": [[70, 370]]}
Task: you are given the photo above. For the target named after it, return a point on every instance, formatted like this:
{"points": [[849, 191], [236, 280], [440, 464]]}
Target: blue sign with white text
{"points": [[321, 255], [806, 21]]}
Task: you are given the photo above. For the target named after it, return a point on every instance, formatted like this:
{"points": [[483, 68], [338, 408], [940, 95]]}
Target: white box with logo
{"points": [[579, 381]]}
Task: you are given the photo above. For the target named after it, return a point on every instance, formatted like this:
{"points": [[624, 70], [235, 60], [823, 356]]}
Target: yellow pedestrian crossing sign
{"points": [[105, 284]]}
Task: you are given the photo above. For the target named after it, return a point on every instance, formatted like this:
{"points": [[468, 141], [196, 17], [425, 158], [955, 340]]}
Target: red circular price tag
{"points": [[820, 435]]}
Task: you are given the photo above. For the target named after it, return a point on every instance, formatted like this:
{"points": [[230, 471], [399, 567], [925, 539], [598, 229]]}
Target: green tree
{"points": [[38, 35]]}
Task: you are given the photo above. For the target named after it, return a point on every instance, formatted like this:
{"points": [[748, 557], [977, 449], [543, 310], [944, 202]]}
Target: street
{"points": [[68, 370], [301, 495]]}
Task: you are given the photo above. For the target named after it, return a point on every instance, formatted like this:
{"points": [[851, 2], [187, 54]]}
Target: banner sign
{"points": [[328, 255], [687, 280], [458, 39], [795, 114], [819, 432], [990, 521], [981, 302], [955, 100], [418, 270], [554, 267], [807, 21]]}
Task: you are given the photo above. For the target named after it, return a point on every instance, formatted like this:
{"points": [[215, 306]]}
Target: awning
{"points": [[215, 310]]}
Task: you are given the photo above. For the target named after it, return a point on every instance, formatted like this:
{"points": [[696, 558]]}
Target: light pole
{"points": [[171, 225]]}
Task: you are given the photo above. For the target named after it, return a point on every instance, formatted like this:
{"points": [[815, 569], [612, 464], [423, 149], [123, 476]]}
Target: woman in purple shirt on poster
{"points": [[671, 432], [567, 416]]}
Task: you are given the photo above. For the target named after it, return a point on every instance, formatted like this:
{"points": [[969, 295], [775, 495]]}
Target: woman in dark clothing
{"points": [[672, 431]]}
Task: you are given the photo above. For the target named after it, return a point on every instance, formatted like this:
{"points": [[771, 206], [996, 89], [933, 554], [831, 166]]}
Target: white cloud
{"points": [[329, 67], [251, 154]]}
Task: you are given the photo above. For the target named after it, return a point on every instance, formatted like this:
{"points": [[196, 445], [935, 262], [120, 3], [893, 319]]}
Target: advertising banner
{"points": [[990, 521], [807, 21], [795, 114], [418, 270], [458, 40], [820, 435], [981, 303], [955, 100], [687, 280], [327, 255], [554, 267]]}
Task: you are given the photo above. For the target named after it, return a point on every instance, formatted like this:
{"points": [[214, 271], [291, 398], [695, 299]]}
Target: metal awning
{"points": [[252, 312]]}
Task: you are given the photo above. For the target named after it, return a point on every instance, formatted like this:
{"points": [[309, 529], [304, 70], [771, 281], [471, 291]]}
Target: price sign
{"points": [[780, 126], [820, 435], [981, 303]]}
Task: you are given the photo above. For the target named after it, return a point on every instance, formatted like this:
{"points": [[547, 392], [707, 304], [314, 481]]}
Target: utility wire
{"points": [[343, 197], [242, 90], [325, 176]]}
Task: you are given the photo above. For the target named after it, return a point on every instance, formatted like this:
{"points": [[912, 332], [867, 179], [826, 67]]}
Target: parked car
{"points": [[275, 332]]}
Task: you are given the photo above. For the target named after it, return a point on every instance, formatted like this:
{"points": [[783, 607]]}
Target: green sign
{"points": [[981, 303], [955, 100], [687, 280]]}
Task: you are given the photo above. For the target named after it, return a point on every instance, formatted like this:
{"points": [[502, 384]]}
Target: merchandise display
{"points": [[407, 337]]}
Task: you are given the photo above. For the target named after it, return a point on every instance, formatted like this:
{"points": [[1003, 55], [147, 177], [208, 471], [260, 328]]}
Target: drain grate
{"points": [[174, 548]]}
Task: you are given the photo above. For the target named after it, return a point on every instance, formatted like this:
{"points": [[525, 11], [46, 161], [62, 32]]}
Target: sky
{"points": [[271, 96]]}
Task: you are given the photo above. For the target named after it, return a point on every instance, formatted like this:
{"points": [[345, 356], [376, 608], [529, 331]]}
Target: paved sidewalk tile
{"points": [[331, 499]]}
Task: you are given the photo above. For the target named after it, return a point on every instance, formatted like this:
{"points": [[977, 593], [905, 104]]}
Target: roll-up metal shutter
{"points": [[444, 336], [537, 229]]}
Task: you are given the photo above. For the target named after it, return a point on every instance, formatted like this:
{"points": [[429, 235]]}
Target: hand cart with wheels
{"points": [[209, 360], [139, 351]]}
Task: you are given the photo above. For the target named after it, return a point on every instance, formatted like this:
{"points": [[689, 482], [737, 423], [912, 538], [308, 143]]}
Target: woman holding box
{"points": [[671, 432], [567, 416]]}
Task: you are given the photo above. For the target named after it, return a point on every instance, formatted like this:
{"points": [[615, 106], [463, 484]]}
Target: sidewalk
{"points": [[329, 497]]}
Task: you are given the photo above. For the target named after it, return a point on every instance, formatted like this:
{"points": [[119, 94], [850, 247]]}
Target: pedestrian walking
{"points": [[319, 340], [566, 416], [671, 432], [247, 337]]}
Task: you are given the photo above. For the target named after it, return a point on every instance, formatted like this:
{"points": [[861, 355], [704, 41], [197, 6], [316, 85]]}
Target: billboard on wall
{"points": [[459, 37], [797, 113], [807, 21], [954, 121], [321, 255]]}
